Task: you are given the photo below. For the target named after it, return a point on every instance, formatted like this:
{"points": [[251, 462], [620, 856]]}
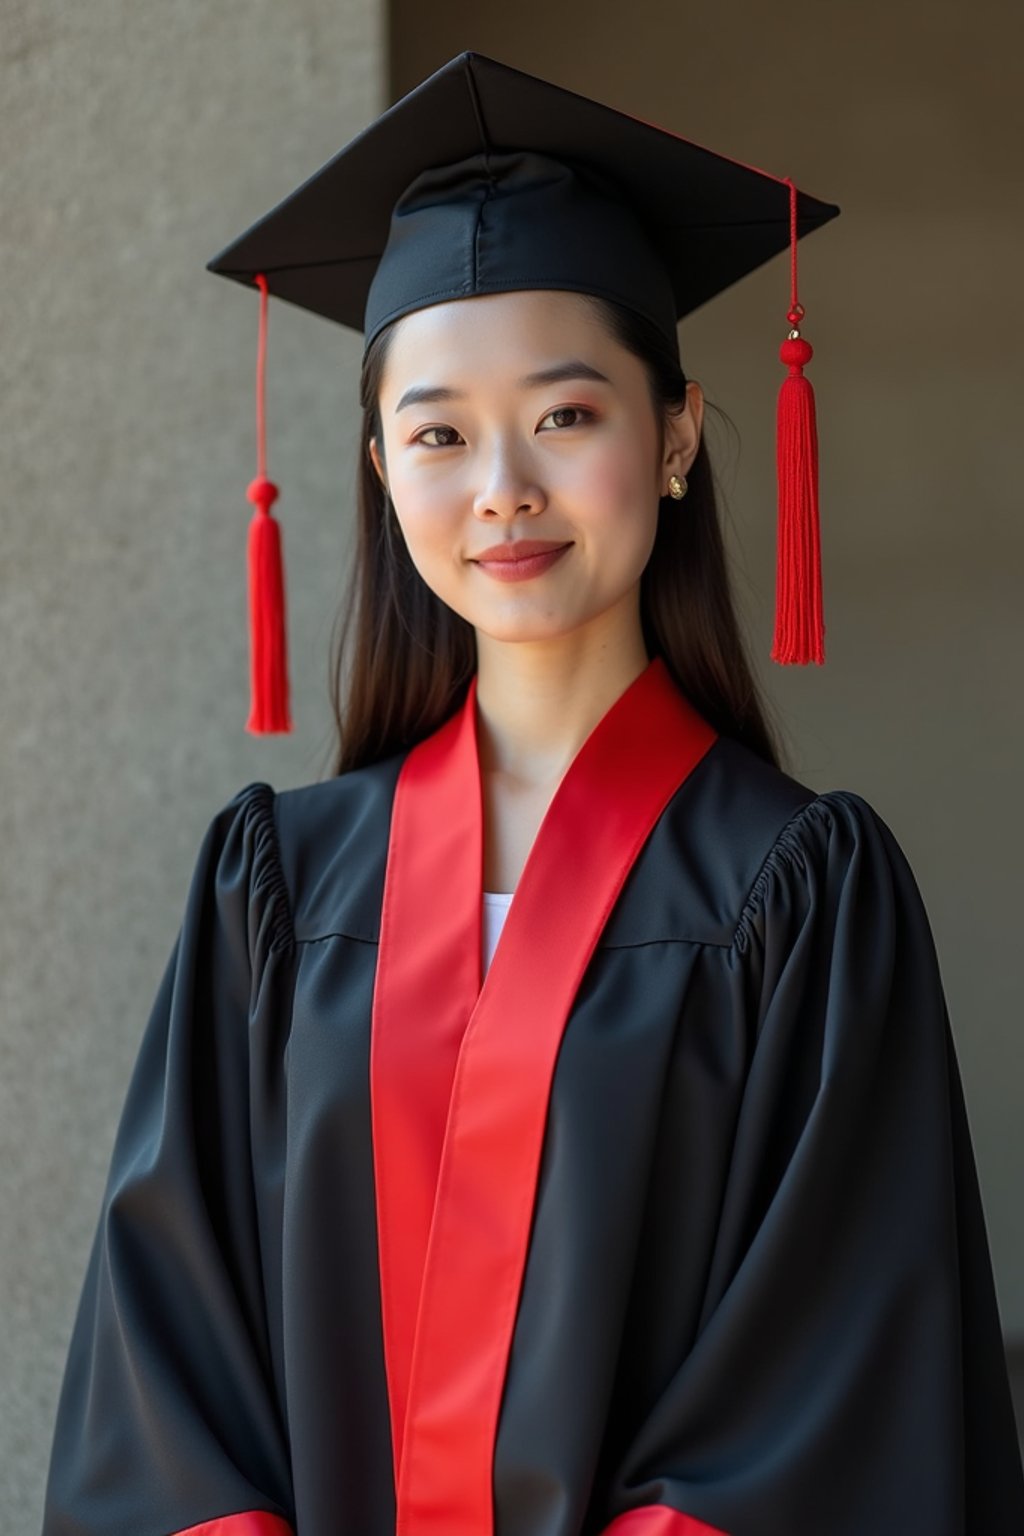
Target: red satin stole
{"points": [[460, 1075]]}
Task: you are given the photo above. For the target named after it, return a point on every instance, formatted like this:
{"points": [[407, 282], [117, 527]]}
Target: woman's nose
{"points": [[508, 487]]}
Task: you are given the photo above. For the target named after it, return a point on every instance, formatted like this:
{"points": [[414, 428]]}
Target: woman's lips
{"points": [[522, 570]]}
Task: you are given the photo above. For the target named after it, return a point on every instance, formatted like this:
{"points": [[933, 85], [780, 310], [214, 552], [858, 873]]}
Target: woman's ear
{"points": [[378, 463], [682, 433]]}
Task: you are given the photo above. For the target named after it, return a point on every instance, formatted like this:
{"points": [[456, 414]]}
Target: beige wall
{"points": [[910, 117], [136, 140]]}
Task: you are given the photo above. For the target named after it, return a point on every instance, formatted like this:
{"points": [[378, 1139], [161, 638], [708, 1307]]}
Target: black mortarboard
{"points": [[484, 179]]}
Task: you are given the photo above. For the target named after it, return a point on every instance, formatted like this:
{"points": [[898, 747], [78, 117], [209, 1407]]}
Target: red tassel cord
{"points": [[799, 618], [268, 659]]}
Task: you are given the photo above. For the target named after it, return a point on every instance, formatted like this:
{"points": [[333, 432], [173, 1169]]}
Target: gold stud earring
{"points": [[677, 488]]}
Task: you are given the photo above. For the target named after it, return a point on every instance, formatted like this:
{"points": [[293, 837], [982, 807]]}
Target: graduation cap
{"points": [[484, 179]]}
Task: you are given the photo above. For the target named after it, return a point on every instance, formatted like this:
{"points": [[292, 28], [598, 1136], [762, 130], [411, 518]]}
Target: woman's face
{"points": [[517, 416]]}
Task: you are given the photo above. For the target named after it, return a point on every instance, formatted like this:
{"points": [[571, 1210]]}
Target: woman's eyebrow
{"points": [[559, 373]]}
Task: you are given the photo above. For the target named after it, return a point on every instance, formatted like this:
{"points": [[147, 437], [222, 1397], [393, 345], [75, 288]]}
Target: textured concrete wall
{"points": [[910, 117], [136, 141]]}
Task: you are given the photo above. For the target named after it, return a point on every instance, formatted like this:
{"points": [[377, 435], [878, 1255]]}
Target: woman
{"points": [[670, 1227]]}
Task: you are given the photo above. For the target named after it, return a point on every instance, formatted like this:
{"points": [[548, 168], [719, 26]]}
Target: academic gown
{"points": [[672, 1228]]}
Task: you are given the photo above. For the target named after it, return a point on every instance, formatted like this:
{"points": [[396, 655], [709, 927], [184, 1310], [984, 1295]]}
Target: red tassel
{"points": [[268, 658], [267, 644], [799, 619]]}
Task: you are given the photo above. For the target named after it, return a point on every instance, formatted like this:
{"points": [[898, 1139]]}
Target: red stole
{"points": [[460, 1075]]}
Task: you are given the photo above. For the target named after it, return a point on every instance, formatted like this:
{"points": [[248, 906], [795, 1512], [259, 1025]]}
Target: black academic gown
{"points": [[756, 1296]]}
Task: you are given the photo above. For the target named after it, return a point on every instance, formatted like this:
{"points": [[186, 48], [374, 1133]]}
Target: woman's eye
{"points": [[572, 411], [421, 437]]}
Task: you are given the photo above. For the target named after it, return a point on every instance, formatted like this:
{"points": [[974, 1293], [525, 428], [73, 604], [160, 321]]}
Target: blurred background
{"points": [[137, 140]]}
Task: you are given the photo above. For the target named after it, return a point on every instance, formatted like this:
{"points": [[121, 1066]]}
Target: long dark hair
{"points": [[401, 659]]}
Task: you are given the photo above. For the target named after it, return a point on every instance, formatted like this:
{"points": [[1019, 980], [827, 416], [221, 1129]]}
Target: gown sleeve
{"points": [[167, 1419], [847, 1375]]}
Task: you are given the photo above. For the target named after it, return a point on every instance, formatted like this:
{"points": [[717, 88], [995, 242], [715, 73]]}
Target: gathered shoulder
{"points": [[331, 845], [747, 844], [836, 854], [241, 854]]}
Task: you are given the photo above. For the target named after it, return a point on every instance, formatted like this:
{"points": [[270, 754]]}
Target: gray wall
{"points": [[135, 141], [139, 139], [910, 117]]}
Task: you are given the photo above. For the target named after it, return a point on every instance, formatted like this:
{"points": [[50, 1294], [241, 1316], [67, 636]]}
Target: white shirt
{"points": [[496, 905]]}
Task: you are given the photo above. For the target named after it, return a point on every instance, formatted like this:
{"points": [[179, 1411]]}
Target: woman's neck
{"points": [[535, 708], [537, 704]]}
